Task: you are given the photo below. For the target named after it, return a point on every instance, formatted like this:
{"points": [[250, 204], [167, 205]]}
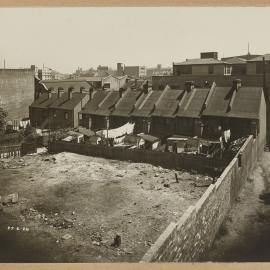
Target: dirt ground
{"points": [[89, 200], [245, 234]]}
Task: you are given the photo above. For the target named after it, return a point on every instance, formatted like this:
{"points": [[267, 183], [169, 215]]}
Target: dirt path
{"points": [[245, 234]]}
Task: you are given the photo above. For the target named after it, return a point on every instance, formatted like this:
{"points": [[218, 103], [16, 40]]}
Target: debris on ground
{"points": [[166, 185], [67, 236], [11, 198], [13, 163], [116, 241]]}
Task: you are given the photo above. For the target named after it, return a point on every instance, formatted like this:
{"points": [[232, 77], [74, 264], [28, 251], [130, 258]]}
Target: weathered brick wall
{"points": [[189, 238], [17, 87]]}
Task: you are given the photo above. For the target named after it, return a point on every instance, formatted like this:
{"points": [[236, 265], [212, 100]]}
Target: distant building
{"points": [[202, 66], [46, 73], [120, 69], [158, 71], [135, 71], [114, 82]]}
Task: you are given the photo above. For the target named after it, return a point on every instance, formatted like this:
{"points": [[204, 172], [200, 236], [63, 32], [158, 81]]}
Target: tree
{"points": [[3, 115]]}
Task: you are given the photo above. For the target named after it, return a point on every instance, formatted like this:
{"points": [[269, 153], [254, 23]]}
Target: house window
{"points": [[66, 115], [80, 116], [107, 85], [227, 70], [54, 114]]}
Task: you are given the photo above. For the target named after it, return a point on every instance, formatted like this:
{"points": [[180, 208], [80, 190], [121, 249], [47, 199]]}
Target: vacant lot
{"points": [[91, 200]]}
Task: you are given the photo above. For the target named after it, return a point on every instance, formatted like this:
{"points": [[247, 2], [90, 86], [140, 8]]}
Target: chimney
{"points": [[91, 90], [60, 93], [70, 93], [145, 87], [189, 85], [121, 90], [237, 83]]}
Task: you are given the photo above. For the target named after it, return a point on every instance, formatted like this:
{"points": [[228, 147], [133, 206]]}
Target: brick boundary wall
{"points": [[168, 160], [189, 239]]}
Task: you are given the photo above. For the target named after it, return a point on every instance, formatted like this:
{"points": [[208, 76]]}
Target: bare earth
{"points": [[92, 199]]}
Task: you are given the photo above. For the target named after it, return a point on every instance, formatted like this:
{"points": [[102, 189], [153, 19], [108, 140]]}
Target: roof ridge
{"points": [[146, 98], [190, 98], [103, 101]]}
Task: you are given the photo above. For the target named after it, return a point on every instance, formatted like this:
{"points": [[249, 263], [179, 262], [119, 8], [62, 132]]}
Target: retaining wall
{"points": [[191, 237]]}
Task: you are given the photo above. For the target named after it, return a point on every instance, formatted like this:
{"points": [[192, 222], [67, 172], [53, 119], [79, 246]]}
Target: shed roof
{"points": [[236, 61]]}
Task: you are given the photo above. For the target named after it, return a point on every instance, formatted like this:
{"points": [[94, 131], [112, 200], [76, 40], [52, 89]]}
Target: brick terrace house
{"points": [[65, 109], [86, 113], [188, 117], [39, 110], [130, 100], [239, 108], [142, 114], [100, 116], [163, 117]]}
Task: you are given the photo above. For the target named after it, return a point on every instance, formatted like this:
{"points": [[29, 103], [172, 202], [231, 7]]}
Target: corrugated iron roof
{"points": [[246, 103], [43, 101], [126, 105], [194, 108], [147, 105], [92, 105], [168, 104], [260, 58]]}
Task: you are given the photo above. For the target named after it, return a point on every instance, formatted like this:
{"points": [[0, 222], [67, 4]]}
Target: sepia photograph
{"points": [[134, 134]]}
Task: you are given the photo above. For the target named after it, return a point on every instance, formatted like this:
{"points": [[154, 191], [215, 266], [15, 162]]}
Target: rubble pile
{"points": [[236, 145], [13, 163], [52, 220]]}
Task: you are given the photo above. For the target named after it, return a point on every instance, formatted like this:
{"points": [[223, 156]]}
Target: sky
{"points": [[67, 38]]}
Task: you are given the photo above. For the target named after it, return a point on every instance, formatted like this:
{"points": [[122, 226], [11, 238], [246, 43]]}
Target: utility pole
{"points": [[4, 63]]}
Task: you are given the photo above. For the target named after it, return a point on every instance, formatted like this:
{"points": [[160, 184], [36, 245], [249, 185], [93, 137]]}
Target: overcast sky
{"points": [[65, 38]]}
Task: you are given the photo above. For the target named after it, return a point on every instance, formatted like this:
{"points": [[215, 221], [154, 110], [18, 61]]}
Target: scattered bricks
{"points": [[11, 198]]}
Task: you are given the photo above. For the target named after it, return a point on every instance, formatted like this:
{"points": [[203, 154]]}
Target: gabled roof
{"points": [[127, 103], [148, 105], [43, 101], [243, 56], [246, 102], [199, 61], [92, 105], [260, 58], [67, 104], [106, 106], [194, 103], [168, 104]]}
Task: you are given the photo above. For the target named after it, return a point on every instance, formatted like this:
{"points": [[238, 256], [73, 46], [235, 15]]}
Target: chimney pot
{"points": [[237, 83], [189, 85]]}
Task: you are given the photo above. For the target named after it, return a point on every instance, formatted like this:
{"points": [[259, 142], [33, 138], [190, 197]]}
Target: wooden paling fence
{"points": [[164, 159], [10, 151]]}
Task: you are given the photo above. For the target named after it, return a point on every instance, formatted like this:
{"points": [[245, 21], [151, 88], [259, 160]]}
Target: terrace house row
{"points": [[190, 111]]}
